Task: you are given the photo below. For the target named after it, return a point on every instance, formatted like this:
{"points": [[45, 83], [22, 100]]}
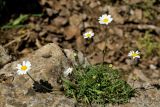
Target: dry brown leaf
{"points": [[70, 32], [101, 46]]}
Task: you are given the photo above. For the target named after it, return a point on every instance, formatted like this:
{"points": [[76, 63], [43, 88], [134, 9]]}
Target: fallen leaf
{"points": [[70, 32], [101, 46]]}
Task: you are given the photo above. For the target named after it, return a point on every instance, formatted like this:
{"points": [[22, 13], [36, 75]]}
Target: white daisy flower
{"points": [[134, 54], [89, 34], [105, 19], [67, 72], [24, 68]]}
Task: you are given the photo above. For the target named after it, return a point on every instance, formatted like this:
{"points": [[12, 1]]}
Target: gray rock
{"points": [[47, 64]]}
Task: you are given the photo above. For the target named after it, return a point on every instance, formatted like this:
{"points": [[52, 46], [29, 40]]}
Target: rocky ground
{"points": [[136, 25]]}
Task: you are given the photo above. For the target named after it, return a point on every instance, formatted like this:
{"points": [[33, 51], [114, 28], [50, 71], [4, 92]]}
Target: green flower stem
{"points": [[104, 51], [31, 77]]}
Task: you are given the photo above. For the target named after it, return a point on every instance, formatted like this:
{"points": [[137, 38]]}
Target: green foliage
{"points": [[19, 21], [149, 45], [97, 84], [16, 22]]}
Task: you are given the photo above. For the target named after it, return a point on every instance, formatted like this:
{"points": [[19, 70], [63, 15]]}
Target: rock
{"points": [[148, 98], [4, 57], [47, 64]]}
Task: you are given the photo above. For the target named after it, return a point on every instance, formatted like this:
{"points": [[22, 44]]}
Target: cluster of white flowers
{"points": [[104, 19]]}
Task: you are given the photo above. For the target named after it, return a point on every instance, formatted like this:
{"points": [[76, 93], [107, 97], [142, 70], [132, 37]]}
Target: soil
{"points": [[64, 21]]}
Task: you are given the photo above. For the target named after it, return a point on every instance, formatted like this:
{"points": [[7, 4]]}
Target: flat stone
{"points": [[48, 64]]}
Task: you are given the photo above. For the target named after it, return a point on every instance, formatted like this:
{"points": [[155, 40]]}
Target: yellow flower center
{"points": [[23, 68], [88, 35], [105, 20], [134, 55]]}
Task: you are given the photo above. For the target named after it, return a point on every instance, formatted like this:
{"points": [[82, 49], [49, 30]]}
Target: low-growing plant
{"points": [[97, 84]]}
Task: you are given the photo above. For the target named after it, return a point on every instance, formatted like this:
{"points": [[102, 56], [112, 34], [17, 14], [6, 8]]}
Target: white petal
{"points": [[137, 52], [101, 22], [85, 37], [110, 19], [28, 64], [100, 18], [19, 72], [28, 68], [107, 23], [19, 66], [92, 34], [130, 53], [109, 16], [23, 63], [104, 15]]}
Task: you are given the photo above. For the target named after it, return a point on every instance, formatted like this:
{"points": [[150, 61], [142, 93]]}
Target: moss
{"points": [[97, 84]]}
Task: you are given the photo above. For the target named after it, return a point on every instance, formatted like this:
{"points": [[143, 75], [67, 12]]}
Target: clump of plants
{"points": [[97, 84]]}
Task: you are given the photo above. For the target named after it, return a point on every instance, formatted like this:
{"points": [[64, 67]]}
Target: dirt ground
{"points": [[135, 26]]}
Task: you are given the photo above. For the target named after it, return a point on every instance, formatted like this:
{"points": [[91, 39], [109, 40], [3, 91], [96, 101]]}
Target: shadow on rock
{"points": [[42, 86]]}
